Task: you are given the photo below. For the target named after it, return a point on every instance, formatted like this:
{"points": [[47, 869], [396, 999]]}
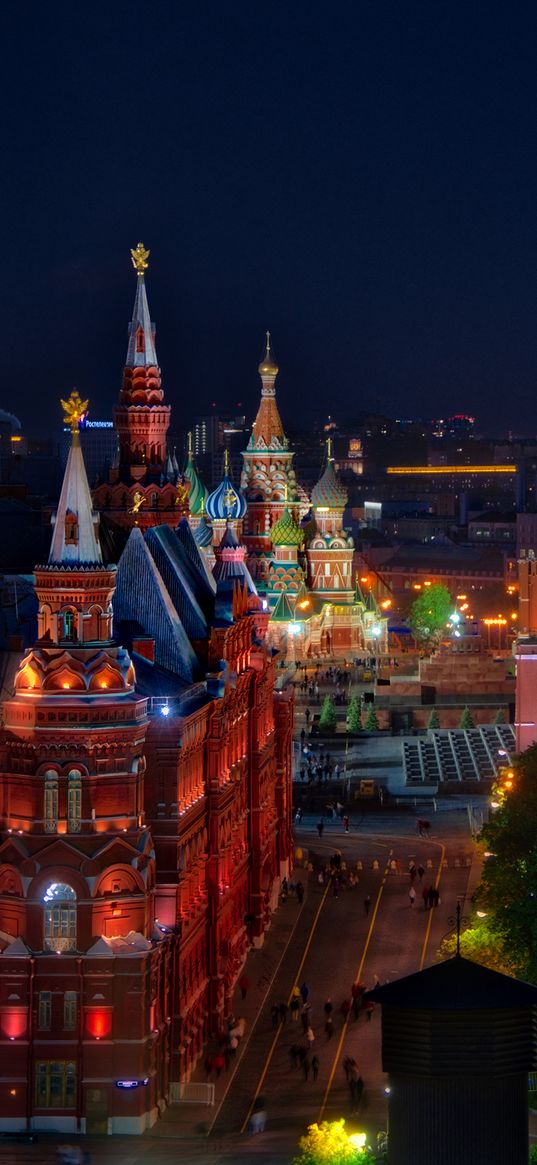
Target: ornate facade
{"points": [[145, 810]]}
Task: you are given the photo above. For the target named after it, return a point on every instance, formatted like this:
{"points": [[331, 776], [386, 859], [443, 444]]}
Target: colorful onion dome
{"points": [[197, 493], [203, 534], [268, 366], [286, 532], [225, 502], [329, 492]]}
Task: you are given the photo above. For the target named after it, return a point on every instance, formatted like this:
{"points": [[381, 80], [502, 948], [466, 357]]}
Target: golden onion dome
{"points": [[268, 366]]}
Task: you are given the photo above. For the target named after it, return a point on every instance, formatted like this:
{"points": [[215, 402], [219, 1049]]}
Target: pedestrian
{"points": [[293, 1053], [346, 823], [436, 896], [275, 1014], [295, 1008], [412, 872], [306, 1066], [300, 892], [329, 1027], [345, 1009], [369, 1009], [305, 1016], [320, 829], [425, 896], [310, 1036], [348, 1064], [244, 984], [335, 886], [302, 740], [315, 1066], [307, 714], [430, 896], [367, 904], [302, 1053], [421, 872], [328, 1007], [219, 1063], [283, 1012], [412, 895]]}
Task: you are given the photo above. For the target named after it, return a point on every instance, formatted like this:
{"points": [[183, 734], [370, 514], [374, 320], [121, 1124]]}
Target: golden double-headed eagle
{"points": [[139, 257], [74, 409]]}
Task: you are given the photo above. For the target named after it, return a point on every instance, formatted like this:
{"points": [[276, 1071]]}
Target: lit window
{"points": [[74, 801], [50, 811], [59, 917]]}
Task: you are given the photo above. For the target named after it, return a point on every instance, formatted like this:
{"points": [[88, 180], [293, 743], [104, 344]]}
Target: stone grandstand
{"points": [[443, 755]]}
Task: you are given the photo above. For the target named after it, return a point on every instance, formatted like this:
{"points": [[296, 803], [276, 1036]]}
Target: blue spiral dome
{"points": [[225, 502]]}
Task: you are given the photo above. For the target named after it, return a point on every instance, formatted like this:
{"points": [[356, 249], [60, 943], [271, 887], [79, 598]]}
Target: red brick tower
{"points": [[80, 979], [145, 489]]}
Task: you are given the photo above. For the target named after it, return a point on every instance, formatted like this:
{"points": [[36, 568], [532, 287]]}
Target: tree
{"points": [[434, 719], [354, 715], [371, 721], [508, 889], [500, 716], [429, 614], [466, 720], [329, 1144], [328, 717]]}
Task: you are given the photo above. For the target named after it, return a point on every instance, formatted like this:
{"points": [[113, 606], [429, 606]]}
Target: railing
{"points": [[192, 1092]]}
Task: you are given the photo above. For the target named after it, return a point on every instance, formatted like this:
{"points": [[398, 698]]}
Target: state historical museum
{"points": [[145, 791]]}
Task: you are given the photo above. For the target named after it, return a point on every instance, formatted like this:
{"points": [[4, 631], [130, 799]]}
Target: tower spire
{"points": [[75, 524], [141, 350]]}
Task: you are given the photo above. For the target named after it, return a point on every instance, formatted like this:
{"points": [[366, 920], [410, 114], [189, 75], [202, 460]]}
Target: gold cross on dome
{"points": [[139, 257], [230, 498]]}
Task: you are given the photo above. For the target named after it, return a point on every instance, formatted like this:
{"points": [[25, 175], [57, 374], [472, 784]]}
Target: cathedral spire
{"points": [[75, 524], [267, 430], [141, 351]]}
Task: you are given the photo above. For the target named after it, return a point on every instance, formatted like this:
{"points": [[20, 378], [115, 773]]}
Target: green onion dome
{"points": [[329, 492], [197, 493], [286, 532]]}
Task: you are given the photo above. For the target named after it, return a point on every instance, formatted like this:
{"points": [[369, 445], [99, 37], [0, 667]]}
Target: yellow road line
{"points": [[430, 919], [356, 980], [279, 1028]]}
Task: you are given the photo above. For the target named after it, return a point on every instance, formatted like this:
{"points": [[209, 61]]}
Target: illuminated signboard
{"points": [[433, 470], [132, 1083]]}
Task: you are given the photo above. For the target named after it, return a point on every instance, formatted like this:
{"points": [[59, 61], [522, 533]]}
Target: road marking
{"points": [[356, 980], [280, 1025], [430, 919]]}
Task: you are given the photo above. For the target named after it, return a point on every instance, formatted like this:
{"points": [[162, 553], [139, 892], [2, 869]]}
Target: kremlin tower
{"points": [[267, 471], [145, 488]]}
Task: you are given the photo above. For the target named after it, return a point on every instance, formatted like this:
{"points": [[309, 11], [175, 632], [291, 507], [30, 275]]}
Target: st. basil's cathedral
{"points": [[145, 788]]}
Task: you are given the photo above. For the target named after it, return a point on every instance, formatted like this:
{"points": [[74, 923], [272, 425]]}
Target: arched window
{"points": [[69, 625], [50, 808], [140, 340], [74, 801], [59, 917]]}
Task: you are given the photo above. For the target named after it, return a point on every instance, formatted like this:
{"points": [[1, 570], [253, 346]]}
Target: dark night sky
{"points": [[359, 177]]}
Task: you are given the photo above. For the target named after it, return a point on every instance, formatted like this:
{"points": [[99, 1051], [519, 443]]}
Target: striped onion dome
{"points": [[197, 493], [286, 532], [203, 534], [329, 491], [225, 502]]}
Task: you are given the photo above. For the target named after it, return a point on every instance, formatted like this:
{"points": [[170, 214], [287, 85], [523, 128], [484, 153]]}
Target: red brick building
{"points": [[143, 840]]}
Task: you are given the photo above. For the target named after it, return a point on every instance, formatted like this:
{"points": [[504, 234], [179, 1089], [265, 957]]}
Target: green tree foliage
{"points": [[371, 721], [354, 715], [329, 1144], [434, 719], [508, 889], [466, 720], [429, 614], [328, 717], [481, 944], [499, 717]]}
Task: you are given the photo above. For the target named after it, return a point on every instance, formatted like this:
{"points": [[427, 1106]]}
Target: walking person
{"points": [[412, 895], [329, 1027], [295, 1008], [421, 872], [306, 1066], [310, 1036], [346, 823], [367, 904], [283, 1009], [320, 829], [244, 984], [305, 1015], [328, 1007], [315, 1066], [300, 892]]}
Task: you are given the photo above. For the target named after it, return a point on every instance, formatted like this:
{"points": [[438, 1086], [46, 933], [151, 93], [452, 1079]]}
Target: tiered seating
{"points": [[454, 754]]}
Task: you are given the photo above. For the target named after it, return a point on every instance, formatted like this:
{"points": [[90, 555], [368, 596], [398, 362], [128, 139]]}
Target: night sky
{"points": [[359, 177]]}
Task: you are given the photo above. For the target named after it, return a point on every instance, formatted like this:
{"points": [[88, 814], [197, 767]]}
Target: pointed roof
{"points": [[179, 577], [142, 596], [141, 350], [230, 564], [197, 493], [329, 493], [457, 983], [74, 539], [267, 430], [283, 611]]}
